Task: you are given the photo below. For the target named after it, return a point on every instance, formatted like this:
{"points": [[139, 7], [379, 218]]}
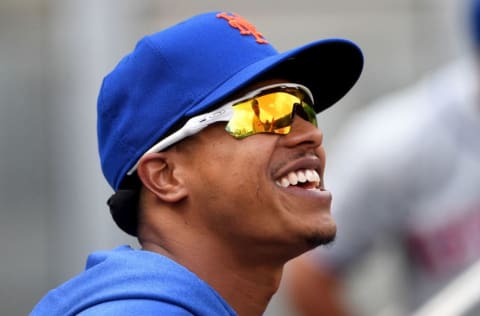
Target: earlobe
{"points": [[159, 175]]}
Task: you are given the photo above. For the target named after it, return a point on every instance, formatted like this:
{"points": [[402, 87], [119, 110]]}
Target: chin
{"points": [[323, 237], [320, 240]]}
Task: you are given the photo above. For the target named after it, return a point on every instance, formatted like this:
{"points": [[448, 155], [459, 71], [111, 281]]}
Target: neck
{"points": [[246, 285], [248, 289]]}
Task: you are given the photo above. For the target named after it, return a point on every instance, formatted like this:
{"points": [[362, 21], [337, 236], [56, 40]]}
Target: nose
{"points": [[303, 133]]}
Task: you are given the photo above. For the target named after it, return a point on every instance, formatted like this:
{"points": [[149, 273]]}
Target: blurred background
{"points": [[53, 56]]}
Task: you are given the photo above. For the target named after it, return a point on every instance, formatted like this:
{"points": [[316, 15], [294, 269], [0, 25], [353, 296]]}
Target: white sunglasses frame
{"points": [[221, 114]]}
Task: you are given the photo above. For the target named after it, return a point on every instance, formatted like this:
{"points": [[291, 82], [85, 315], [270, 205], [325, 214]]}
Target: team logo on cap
{"points": [[245, 27]]}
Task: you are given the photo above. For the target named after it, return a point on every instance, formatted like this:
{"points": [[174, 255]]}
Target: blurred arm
{"points": [[314, 291]]}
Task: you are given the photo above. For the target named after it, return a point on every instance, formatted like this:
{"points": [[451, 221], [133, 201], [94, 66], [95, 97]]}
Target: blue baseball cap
{"points": [[189, 68], [475, 20]]}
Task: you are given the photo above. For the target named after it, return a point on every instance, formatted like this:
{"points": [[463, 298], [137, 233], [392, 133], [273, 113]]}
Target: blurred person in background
{"points": [[405, 170]]}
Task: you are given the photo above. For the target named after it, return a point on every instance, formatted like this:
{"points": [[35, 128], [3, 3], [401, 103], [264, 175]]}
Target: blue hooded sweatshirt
{"points": [[125, 281]]}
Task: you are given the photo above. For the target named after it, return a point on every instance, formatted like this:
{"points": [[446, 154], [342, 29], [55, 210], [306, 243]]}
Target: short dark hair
{"points": [[124, 205]]}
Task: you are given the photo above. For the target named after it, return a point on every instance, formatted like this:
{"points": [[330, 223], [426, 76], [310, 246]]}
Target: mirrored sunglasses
{"points": [[270, 109]]}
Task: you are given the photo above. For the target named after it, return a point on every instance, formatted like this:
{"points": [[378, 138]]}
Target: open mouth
{"points": [[308, 179]]}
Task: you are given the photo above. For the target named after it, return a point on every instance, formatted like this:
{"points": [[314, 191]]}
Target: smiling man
{"points": [[219, 202]]}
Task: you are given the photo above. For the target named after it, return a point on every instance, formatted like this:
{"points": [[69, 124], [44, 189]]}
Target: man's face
{"points": [[245, 191]]}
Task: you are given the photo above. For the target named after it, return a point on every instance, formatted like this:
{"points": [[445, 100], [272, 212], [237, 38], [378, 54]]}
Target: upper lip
{"points": [[304, 162]]}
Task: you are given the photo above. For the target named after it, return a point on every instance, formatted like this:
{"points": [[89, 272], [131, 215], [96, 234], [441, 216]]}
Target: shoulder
{"points": [[142, 307], [125, 277]]}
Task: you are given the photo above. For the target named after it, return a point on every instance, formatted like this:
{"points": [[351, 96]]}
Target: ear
{"points": [[159, 175]]}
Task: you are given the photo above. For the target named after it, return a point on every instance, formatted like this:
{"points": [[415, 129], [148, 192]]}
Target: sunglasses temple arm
{"points": [[193, 126], [187, 130]]}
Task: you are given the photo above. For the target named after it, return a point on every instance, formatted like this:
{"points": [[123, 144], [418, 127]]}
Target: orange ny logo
{"points": [[245, 27]]}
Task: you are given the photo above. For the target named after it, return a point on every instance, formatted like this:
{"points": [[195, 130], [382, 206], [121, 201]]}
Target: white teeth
{"points": [[284, 182], [312, 176], [292, 178], [300, 176]]}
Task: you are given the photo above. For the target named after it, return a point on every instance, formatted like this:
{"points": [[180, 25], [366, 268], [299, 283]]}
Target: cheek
{"points": [[224, 168], [239, 177], [242, 161], [236, 181]]}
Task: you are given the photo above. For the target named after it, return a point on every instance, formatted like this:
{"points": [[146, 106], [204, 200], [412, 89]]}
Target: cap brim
{"points": [[329, 68]]}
